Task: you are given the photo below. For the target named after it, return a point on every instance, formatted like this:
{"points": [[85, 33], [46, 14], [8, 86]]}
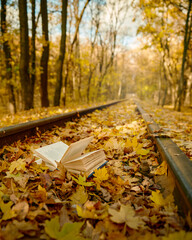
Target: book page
{"points": [[75, 150], [86, 161], [52, 153]]}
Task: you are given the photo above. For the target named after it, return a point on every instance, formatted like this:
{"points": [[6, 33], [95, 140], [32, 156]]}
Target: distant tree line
{"points": [[71, 51], [75, 72], [167, 24]]}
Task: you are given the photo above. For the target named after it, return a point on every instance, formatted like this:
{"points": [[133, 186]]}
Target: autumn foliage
{"points": [[132, 196]]}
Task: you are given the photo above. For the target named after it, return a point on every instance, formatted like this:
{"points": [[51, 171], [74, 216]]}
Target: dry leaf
{"points": [[126, 214]]}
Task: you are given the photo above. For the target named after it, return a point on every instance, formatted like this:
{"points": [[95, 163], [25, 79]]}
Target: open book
{"points": [[71, 156]]}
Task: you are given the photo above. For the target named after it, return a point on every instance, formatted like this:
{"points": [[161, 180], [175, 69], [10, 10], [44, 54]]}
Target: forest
{"points": [[57, 53]]}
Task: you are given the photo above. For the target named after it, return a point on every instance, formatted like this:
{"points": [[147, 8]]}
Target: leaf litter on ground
{"points": [[177, 125], [130, 197]]}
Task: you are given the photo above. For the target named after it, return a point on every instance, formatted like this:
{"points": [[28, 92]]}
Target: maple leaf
{"points": [[91, 213], [100, 175], [112, 144], [18, 165], [138, 148], [126, 215], [159, 201], [81, 180], [80, 196], [68, 231], [161, 169], [178, 236], [8, 213], [142, 151]]}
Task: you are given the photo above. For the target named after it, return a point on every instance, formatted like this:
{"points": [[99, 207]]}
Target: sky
{"points": [[127, 28]]}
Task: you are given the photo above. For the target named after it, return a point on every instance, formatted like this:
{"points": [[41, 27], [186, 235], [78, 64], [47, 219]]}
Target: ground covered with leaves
{"points": [[177, 125], [131, 197], [38, 113]]}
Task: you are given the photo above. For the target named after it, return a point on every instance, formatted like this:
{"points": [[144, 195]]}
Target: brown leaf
{"points": [[46, 180]]}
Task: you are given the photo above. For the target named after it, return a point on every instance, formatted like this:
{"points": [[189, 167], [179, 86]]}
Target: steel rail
{"points": [[179, 165], [10, 134]]}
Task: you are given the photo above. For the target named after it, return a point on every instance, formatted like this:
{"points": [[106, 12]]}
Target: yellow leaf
{"points": [[162, 169], [142, 151], [91, 213], [8, 213], [69, 231], [134, 142], [3, 166], [80, 196], [128, 143], [159, 201], [82, 181], [179, 236], [17, 165], [136, 147], [100, 175]]}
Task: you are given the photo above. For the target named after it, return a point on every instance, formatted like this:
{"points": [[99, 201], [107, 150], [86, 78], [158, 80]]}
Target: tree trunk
{"points": [[159, 85], [182, 84], [166, 84], [7, 52], [190, 95], [71, 50], [61, 54], [45, 56], [33, 53], [78, 74], [91, 69], [24, 56]]}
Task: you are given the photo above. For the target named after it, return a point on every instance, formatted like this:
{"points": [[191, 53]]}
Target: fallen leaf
{"points": [[68, 231], [162, 169], [100, 175], [21, 210], [80, 196], [126, 215], [8, 213], [19, 178], [81, 180], [91, 213], [179, 236], [159, 201], [18, 165]]}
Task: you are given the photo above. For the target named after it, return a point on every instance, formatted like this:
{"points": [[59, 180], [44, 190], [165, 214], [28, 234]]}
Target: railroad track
{"points": [[18, 132], [179, 166]]}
